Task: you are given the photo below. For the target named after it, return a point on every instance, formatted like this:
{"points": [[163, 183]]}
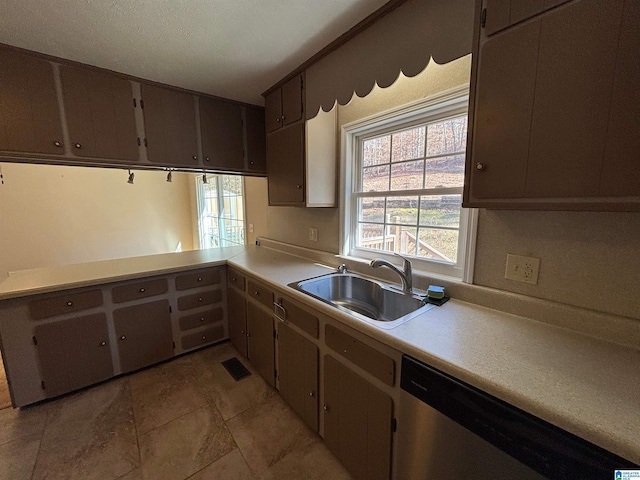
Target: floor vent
{"points": [[235, 368]]}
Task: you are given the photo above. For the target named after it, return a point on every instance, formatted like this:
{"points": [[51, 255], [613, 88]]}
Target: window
{"points": [[404, 191], [220, 210]]}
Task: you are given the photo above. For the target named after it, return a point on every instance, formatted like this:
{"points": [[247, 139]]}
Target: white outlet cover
{"points": [[522, 269], [313, 234]]}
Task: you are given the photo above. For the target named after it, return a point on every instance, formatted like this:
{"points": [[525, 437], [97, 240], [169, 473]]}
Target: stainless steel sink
{"points": [[365, 298]]}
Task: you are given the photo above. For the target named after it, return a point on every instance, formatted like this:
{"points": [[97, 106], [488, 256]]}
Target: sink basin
{"points": [[365, 298]]}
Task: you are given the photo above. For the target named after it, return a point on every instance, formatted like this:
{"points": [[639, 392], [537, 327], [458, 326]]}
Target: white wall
{"points": [[56, 215]]}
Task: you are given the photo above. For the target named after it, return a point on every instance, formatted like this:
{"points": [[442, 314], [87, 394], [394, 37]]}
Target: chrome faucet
{"points": [[342, 268], [405, 276]]}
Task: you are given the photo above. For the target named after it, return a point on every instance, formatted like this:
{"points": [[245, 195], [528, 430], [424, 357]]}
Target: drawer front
{"points": [[196, 300], [59, 305], [199, 319], [202, 278], [202, 338], [300, 318], [134, 291], [259, 292], [236, 279], [367, 358]]}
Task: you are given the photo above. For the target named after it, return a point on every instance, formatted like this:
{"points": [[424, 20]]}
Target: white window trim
{"points": [[445, 104]]}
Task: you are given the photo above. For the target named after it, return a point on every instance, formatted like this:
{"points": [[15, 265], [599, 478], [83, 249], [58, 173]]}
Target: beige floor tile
{"points": [[186, 445], [268, 433], [311, 461], [230, 396], [91, 435], [164, 393], [230, 467], [17, 458], [16, 423]]}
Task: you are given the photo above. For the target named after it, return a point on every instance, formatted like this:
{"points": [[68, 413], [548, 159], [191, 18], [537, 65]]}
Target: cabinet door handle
{"points": [[202, 319], [312, 394], [247, 334], [123, 337], [199, 299], [102, 344], [242, 332], [283, 118], [57, 144], [199, 279], [256, 293], [77, 145], [204, 337], [480, 166], [280, 312], [195, 157], [69, 303], [142, 290], [278, 120], [325, 408], [299, 186], [206, 159]]}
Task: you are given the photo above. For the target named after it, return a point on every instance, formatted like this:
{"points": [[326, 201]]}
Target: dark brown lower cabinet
{"points": [[298, 374], [357, 422], [144, 334], [73, 353], [237, 313], [260, 344]]}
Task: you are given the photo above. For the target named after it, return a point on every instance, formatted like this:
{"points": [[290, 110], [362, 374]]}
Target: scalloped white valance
{"points": [[404, 41]]}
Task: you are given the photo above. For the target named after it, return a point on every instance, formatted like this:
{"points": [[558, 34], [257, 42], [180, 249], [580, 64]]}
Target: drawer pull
{"points": [[256, 293], [344, 351], [325, 408], [202, 319], [204, 337], [69, 303], [312, 394], [142, 290], [123, 337], [102, 344], [199, 279], [242, 332], [57, 144], [78, 145], [199, 299], [233, 279]]}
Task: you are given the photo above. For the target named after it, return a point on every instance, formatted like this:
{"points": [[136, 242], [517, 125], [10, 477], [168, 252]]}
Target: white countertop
{"points": [[586, 386], [44, 280]]}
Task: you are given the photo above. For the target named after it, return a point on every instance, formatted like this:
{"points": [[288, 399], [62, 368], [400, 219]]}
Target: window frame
{"points": [[199, 187], [448, 104]]}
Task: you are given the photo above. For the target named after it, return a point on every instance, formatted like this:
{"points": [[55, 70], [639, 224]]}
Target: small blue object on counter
{"points": [[435, 295]]}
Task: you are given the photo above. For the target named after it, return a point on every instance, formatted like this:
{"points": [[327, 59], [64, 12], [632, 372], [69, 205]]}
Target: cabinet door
{"points": [[221, 128], [621, 169], [504, 103], [256, 140], [298, 374], [30, 116], [170, 127], [273, 110], [292, 101], [357, 422], [237, 311], [260, 342], [285, 165], [73, 353], [577, 54], [100, 114], [144, 334]]}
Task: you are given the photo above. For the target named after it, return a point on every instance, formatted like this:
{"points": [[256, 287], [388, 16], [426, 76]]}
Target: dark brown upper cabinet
{"points": [[555, 90], [30, 118], [170, 127], [99, 110], [221, 130], [285, 166], [256, 140], [284, 106]]}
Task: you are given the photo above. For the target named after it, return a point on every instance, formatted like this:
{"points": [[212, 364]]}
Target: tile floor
{"points": [[186, 418]]}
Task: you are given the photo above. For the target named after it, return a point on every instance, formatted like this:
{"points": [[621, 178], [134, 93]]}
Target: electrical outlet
{"points": [[251, 228], [313, 234], [522, 269]]}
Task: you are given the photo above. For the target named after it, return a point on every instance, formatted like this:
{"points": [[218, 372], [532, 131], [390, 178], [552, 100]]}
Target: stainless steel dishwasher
{"points": [[450, 430]]}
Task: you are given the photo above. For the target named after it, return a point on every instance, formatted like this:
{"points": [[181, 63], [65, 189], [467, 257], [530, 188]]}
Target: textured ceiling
{"points": [[230, 48]]}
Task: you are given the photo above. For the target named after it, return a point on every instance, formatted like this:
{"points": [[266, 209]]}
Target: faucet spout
{"points": [[406, 275]]}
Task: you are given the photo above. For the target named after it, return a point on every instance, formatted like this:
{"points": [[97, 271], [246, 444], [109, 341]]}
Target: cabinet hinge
{"points": [[35, 340], [394, 424], [275, 375], [135, 103], [145, 142], [275, 334], [174, 345], [142, 104], [170, 309], [483, 18], [42, 384], [139, 143]]}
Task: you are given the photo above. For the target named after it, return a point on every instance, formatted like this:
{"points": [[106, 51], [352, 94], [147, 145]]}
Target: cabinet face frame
{"points": [[589, 198]]}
